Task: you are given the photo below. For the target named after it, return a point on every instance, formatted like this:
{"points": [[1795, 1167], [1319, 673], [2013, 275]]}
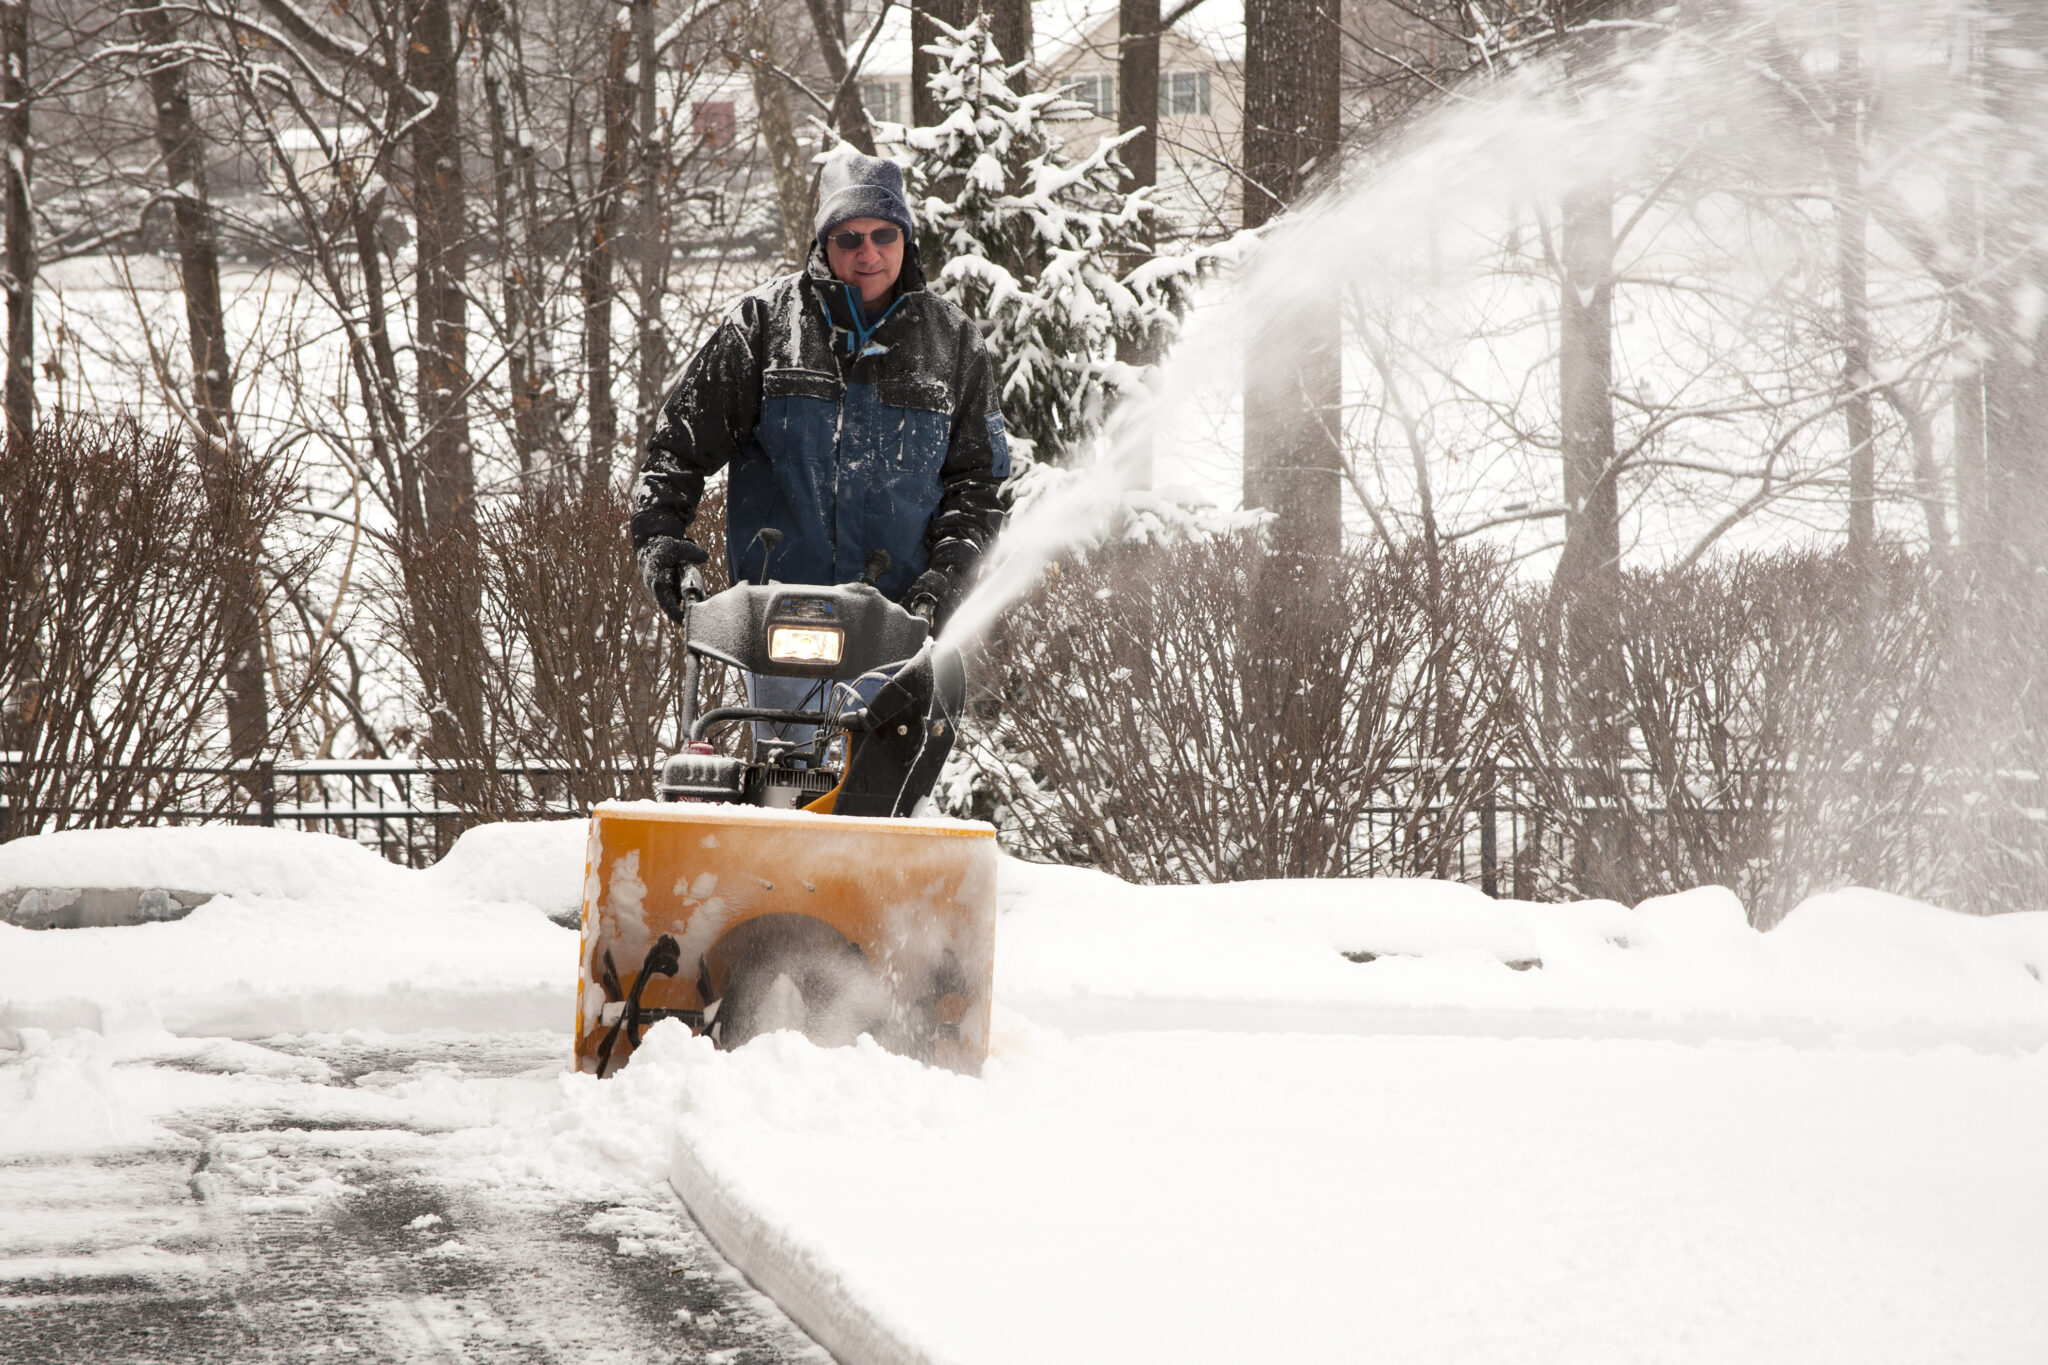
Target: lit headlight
{"points": [[804, 644]]}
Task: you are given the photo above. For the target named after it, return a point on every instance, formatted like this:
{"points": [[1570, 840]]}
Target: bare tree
{"points": [[652, 228], [516, 205], [19, 405], [778, 132], [439, 195], [844, 109], [1137, 119], [1293, 386], [110, 541], [183, 151], [1852, 226], [600, 290]]}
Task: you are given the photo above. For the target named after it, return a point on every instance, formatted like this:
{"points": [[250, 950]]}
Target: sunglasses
{"points": [[850, 241]]}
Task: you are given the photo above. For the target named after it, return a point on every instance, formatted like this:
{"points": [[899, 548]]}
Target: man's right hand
{"points": [[663, 561]]}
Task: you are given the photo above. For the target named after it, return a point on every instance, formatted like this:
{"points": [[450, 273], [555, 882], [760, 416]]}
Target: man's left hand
{"points": [[939, 588], [933, 596]]}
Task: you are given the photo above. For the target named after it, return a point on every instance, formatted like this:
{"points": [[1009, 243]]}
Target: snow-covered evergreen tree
{"points": [[1031, 243]]}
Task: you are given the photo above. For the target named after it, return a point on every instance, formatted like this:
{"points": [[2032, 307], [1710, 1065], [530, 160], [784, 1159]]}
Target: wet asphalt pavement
{"points": [[297, 1242]]}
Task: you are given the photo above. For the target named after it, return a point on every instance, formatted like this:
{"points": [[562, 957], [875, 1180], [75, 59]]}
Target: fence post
{"points": [[1489, 851], [266, 794]]}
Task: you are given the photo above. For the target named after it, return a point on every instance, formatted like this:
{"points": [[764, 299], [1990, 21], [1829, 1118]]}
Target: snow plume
{"points": [[1440, 245]]}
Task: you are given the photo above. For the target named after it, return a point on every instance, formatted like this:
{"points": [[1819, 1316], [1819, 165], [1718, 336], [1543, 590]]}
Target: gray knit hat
{"points": [[854, 186]]}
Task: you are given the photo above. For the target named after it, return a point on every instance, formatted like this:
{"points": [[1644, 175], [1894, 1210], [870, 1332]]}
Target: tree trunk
{"points": [[2016, 372], [924, 110], [440, 567], [1137, 106], [1587, 591], [1968, 395], [1590, 566], [653, 231], [213, 386], [599, 291], [442, 340], [1009, 27], [1852, 268], [778, 136], [514, 185], [1137, 89], [849, 114], [1293, 367], [20, 402]]}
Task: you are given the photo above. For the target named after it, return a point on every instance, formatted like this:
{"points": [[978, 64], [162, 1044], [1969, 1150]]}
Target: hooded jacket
{"points": [[847, 436]]}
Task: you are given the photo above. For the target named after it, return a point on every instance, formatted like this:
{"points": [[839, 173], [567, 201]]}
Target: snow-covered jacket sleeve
{"points": [[706, 421], [977, 461]]}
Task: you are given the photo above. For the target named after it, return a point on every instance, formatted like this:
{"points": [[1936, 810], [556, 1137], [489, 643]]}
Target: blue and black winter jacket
{"points": [[846, 440]]}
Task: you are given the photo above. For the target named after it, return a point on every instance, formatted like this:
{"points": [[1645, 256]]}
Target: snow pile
{"points": [[1084, 952], [532, 862], [306, 932], [231, 860]]}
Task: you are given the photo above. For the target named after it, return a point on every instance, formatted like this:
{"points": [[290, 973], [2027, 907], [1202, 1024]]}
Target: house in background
{"points": [[1200, 122]]}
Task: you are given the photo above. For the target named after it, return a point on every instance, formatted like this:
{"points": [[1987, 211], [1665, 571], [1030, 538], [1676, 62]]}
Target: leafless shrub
{"points": [[1207, 711], [1990, 849], [114, 623], [574, 675], [1771, 728], [1779, 724]]}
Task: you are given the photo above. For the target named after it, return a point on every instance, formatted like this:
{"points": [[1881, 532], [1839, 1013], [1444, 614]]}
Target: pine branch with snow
{"points": [[1032, 243]]}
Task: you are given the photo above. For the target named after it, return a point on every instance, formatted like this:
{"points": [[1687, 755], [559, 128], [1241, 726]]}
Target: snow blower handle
{"points": [[769, 538]]}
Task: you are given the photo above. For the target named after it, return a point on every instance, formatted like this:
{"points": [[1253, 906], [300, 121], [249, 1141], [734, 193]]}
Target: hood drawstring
{"points": [[861, 330]]}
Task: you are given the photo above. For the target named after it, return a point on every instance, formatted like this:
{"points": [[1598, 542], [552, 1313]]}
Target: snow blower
{"points": [[793, 887]]}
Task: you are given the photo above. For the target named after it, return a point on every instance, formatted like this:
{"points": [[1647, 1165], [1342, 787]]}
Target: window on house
{"points": [[883, 100], [1182, 93], [1097, 92], [712, 121]]}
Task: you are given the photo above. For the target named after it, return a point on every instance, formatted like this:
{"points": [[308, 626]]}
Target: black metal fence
{"points": [[410, 812], [1507, 843]]}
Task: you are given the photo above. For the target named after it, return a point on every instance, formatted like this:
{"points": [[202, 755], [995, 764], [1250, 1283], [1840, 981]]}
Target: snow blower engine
{"points": [[789, 886]]}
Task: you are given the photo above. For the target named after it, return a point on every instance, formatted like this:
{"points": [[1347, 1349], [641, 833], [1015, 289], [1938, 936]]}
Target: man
{"points": [[856, 412]]}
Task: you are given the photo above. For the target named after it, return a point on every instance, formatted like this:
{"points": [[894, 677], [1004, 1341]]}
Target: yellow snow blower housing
{"points": [[830, 924], [792, 887]]}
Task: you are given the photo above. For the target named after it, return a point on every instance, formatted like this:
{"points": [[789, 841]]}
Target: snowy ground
{"points": [[325, 1116]]}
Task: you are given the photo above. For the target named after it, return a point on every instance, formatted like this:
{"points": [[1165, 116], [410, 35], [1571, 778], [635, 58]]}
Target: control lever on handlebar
{"points": [[693, 585], [878, 564], [769, 538]]}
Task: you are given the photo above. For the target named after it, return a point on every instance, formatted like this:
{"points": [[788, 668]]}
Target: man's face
{"points": [[869, 268]]}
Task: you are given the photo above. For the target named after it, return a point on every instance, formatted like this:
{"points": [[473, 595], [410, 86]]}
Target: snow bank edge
{"points": [[781, 1267]]}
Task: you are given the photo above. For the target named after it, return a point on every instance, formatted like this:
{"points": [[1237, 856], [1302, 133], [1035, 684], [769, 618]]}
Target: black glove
{"points": [[932, 595], [663, 560], [939, 588]]}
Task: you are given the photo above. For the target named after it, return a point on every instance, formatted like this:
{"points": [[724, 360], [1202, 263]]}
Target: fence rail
{"points": [[1508, 842], [410, 812]]}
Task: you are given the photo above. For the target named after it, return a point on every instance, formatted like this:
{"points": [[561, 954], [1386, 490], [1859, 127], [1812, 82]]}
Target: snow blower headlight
{"points": [[805, 644]]}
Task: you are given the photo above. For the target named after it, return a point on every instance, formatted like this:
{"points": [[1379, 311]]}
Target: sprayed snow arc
{"points": [[1301, 1121]]}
